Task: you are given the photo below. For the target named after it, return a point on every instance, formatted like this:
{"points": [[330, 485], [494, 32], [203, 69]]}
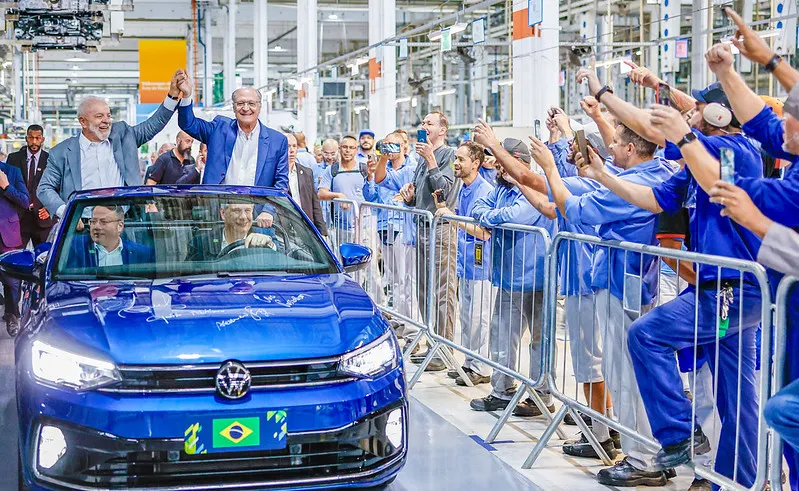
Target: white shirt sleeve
{"points": [[326, 181], [170, 103]]}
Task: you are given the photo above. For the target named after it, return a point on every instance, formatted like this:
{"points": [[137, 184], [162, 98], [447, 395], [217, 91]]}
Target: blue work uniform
{"points": [[472, 266], [389, 223], [351, 184], [625, 274], [489, 175], [652, 346], [318, 170], [777, 199], [518, 257], [393, 182]]}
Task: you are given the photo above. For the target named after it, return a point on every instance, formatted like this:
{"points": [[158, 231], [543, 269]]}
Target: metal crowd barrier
{"points": [[502, 303], [632, 422], [781, 303], [341, 216]]}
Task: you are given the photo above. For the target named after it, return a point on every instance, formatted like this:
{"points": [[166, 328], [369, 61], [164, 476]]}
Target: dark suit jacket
{"points": [[206, 246], [84, 255], [13, 200], [19, 160], [220, 135], [309, 199]]}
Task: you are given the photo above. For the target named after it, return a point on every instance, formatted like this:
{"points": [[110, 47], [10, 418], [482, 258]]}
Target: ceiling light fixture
{"points": [[445, 92], [332, 17]]}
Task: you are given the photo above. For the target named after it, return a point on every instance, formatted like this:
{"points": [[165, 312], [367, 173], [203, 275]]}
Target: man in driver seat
{"points": [[104, 245], [236, 232]]}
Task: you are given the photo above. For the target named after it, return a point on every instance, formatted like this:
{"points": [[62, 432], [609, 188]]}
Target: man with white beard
{"points": [[103, 155]]}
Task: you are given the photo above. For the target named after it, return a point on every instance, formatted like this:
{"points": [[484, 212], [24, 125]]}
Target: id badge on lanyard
{"points": [[478, 254]]}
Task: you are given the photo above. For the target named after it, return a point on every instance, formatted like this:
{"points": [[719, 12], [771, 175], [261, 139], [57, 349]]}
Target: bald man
{"points": [[330, 156], [176, 166]]}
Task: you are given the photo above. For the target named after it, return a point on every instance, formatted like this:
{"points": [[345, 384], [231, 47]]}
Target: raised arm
{"points": [[752, 46], [634, 118], [540, 202], [147, 129], [199, 129], [484, 135], [644, 77], [546, 160], [745, 103], [591, 107], [635, 194]]}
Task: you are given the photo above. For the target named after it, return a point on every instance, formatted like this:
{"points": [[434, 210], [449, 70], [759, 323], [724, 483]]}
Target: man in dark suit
{"points": [[241, 151], [236, 231], [35, 222], [302, 189], [103, 155], [13, 200], [104, 245]]}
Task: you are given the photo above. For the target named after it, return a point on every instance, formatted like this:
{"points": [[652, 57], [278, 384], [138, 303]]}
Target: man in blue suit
{"points": [[13, 200], [241, 151], [104, 245]]}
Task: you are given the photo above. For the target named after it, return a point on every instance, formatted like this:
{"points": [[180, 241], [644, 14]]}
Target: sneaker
{"points": [[475, 377], [568, 420], [700, 485], [417, 357], [12, 325], [680, 453], [623, 474], [435, 365], [489, 403], [528, 409], [581, 448]]}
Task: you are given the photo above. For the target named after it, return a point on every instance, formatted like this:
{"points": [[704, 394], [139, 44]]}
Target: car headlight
{"points": [[56, 366], [373, 359]]}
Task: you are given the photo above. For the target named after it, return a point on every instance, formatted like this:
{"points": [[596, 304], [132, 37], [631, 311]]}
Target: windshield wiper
{"points": [[242, 274]]}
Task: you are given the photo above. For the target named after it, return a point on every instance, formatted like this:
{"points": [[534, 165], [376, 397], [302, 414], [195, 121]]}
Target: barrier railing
{"points": [[341, 217], [500, 274], [738, 295], [782, 305]]}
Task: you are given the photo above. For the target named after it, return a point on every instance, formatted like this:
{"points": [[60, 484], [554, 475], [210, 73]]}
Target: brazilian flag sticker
{"points": [[237, 432]]}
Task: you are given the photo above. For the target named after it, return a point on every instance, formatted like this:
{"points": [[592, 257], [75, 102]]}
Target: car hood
{"points": [[188, 321]]}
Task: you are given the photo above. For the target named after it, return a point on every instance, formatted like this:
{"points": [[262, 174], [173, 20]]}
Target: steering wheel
{"points": [[239, 244]]}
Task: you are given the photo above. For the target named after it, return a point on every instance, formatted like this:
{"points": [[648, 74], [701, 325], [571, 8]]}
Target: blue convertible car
{"points": [[202, 338]]}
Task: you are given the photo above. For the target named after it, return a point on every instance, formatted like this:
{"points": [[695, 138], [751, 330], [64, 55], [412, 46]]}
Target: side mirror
{"points": [[354, 257], [19, 265]]}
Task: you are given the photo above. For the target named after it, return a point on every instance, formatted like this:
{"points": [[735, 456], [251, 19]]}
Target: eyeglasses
{"points": [[246, 104], [101, 221]]}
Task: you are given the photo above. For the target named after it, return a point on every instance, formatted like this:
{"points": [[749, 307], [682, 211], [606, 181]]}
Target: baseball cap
{"points": [[366, 132], [517, 149], [775, 104], [715, 93]]}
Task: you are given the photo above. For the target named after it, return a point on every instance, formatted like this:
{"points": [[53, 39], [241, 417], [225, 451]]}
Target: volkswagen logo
{"points": [[233, 380]]}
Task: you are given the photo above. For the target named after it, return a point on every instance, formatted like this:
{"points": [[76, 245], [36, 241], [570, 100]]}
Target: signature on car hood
{"points": [[187, 321]]}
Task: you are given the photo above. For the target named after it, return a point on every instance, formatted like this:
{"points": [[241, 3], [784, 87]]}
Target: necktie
{"points": [[31, 176]]}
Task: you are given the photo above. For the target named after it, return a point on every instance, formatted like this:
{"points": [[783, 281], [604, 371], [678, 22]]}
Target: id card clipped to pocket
{"points": [[478, 254]]}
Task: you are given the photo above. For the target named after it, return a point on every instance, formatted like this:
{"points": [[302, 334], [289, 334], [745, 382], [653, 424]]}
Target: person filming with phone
{"points": [[434, 171]]}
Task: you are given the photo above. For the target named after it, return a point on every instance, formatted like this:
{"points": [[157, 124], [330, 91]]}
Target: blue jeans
{"points": [[654, 339]]}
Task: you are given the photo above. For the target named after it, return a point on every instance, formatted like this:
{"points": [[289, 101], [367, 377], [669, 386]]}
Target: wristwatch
{"points": [[772, 63], [688, 138], [602, 92], [173, 98]]}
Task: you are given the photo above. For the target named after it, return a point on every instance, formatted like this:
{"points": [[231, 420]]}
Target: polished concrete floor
{"points": [[441, 457]]}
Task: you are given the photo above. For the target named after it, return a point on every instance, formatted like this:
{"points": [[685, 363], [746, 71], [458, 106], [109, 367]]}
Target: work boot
{"points": [[581, 448], [12, 325], [616, 437], [568, 420], [453, 374], [435, 365], [700, 484], [528, 409], [489, 403], [475, 377], [678, 454], [417, 357], [623, 475]]}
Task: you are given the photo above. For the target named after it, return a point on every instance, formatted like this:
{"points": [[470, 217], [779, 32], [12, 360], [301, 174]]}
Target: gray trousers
{"points": [[617, 367], [514, 313], [475, 313], [444, 288]]}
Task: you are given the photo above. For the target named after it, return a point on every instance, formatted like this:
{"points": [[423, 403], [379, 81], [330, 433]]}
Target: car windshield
{"points": [[188, 235]]}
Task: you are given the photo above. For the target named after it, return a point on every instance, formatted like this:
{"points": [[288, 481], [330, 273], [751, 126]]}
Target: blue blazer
{"points": [[84, 255], [13, 200], [220, 135]]}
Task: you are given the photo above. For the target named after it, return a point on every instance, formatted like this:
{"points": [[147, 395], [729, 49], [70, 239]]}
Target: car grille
{"points": [[99, 460], [202, 378]]}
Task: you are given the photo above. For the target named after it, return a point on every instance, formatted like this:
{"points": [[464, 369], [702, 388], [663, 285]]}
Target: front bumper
{"points": [[359, 454], [336, 438]]}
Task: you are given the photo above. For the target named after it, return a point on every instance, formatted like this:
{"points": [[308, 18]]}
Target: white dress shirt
{"points": [[109, 258], [244, 161], [294, 185], [98, 169]]}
